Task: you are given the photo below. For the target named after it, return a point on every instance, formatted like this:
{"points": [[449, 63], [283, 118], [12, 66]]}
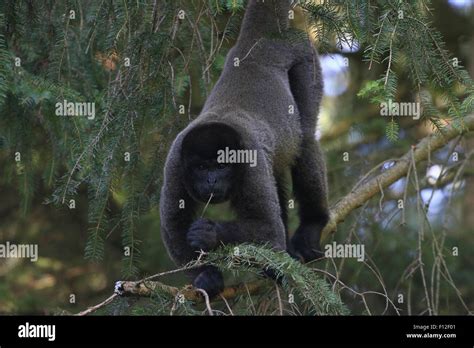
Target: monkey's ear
{"points": [[205, 139]]}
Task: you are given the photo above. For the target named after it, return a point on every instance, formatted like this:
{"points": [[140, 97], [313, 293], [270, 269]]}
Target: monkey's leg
{"points": [[283, 194], [306, 83], [309, 185], [309, 171]]}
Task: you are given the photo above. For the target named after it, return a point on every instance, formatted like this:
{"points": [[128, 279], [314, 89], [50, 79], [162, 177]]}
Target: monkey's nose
{"points": [[211, 181]]}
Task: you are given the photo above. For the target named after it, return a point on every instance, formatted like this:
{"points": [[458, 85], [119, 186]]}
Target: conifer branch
{"points": [[293, 277]]}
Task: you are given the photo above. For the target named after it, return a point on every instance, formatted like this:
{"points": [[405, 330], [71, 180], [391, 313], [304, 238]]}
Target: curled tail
{"points": [[264, 18]]}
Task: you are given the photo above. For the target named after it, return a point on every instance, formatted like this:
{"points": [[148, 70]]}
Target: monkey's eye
{"points": [[221, 165], [201, 167]]}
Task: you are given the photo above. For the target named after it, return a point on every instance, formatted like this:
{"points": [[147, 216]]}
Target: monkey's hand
{"points": [[305, 243], [202, 235]]}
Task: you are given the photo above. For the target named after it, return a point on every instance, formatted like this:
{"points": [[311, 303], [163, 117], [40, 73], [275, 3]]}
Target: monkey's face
{"points": [[207, 177]]}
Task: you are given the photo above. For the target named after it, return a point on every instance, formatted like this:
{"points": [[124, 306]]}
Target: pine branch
{"points": [[361, 194], [293, 276]]}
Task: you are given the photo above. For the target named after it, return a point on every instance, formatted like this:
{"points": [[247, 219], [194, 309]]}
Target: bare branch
{"points": [[358, 196], [98, 306], [146, 288]]}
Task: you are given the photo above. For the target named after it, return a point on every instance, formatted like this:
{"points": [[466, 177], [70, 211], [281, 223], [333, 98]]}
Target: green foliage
{"points": [[311, 291], [83, 59], [374, 91], [5, 70], [219, 6], [294, 276], [392, 131], [397, 35]]}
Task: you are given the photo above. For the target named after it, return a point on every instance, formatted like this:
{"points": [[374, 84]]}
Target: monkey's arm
{"points": [[177, 209], [175, 221]]}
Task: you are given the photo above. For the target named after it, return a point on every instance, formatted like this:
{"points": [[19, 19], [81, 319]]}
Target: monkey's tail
{"points": [[264, 18]]}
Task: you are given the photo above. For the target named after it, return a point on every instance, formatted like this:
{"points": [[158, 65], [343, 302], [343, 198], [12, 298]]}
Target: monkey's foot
{"points": [[210, 280], [305, 243]]}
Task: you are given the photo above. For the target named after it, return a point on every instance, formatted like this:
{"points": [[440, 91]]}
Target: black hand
{"points": [[202, 235]]}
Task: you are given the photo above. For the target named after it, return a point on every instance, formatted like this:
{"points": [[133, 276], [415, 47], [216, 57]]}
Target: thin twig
{"points": [[206, 300], [97, 306], [207, 204], [280, 304]]}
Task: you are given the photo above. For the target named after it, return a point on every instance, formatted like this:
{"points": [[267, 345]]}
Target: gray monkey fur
{"points": [[254, 99]]}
